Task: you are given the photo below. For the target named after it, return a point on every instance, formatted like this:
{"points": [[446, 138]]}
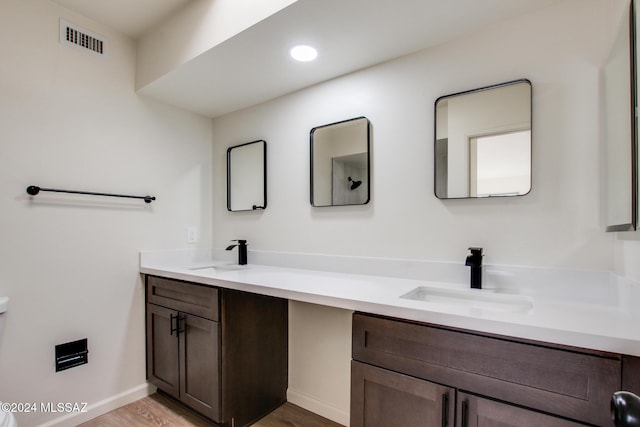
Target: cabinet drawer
{"points": [[572, 384], [182, 296]]}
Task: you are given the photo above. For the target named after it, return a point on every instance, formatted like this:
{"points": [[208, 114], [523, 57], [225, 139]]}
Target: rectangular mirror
{"points": [[247, 176], [340, 163], [620, 131], [483, 142]]}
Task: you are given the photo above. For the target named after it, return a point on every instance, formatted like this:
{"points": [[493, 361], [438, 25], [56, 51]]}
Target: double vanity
{"points": [[521, 348], [525, 347]]}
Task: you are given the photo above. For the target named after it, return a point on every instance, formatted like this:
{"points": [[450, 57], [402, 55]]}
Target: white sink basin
{"points": [[220, 267], [472, 298], [4, 304]]}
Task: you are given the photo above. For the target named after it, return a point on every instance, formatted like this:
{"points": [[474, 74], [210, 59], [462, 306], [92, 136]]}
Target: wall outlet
{"points": [[192, 234]]}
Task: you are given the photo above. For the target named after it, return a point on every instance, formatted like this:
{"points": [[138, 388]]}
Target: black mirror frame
{"points": [[255, 207], [485, 88]]}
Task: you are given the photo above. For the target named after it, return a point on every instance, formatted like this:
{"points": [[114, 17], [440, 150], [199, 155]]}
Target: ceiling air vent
{"points": [[78, 37]]}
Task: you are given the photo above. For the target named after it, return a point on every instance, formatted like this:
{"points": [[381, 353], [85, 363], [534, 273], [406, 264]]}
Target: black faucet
{"points": [[242, 251], [474, 260]]}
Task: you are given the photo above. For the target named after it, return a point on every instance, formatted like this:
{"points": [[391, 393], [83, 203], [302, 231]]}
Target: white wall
{"points": [[319, 359], [559, 224], [200, 26], [628, 255], [69, 263]]}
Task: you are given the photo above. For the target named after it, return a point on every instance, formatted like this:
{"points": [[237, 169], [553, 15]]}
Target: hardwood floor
{"points": [[158, 410], [290, 415]]}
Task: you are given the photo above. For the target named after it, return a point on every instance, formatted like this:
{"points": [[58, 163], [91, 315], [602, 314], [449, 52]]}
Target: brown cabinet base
{"points": [[493, 377], [223, 353]]}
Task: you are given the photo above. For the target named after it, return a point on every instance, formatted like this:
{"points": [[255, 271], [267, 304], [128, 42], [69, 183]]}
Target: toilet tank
{"points": [[6, 418]]}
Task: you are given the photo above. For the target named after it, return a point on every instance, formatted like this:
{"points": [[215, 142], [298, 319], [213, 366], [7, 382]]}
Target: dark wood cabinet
{"points": [[219, 351], [385, 398], [183, 361], [493, 380]]}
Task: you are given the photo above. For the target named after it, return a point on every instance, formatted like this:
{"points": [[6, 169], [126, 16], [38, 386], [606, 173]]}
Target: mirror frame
{"points": [[633, 83], [368, 152], [482, 89], [635, 149], [264, 169]]}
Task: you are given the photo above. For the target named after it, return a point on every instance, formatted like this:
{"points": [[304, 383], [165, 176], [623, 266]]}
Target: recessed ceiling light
{"points": [[303, 53]]}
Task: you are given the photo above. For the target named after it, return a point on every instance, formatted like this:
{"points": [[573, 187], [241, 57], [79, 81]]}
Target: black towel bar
{"points": [[34, 189]]}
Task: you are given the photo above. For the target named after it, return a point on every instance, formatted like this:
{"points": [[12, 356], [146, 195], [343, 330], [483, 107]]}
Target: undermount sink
{"points": [[485, 299], [220, 267]]}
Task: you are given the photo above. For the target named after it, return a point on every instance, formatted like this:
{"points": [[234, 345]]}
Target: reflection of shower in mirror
{"points": [[346, 190], [340, 163], [354, 184]]}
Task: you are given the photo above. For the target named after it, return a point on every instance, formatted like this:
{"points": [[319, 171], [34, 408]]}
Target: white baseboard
{"points": [[317, 407], [114, 402], [102, 407]]}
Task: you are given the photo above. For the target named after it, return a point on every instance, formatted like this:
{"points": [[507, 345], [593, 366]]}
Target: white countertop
{"points": [[595, 311]]}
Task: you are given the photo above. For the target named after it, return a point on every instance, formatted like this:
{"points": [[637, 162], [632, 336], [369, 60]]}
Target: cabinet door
{"points": [[200, 366], [382, 398], [162, 349], [475, 411]]}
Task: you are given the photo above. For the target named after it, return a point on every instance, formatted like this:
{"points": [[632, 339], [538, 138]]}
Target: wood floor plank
{"points": [[158, 410], [290, 415]]}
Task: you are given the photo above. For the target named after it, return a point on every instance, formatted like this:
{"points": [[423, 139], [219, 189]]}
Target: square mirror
{"points": [[247, 176], [483, 142], [340, 163]]}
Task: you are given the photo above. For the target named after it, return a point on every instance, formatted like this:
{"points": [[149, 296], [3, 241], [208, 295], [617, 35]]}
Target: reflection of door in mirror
{"points": [[340, 163], [482, 144], [246, 177], [491, 177]]}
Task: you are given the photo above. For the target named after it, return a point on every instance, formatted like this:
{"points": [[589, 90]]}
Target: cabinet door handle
{"points": [[171, 328], [180, 323], [465, 413], [445, 409]]}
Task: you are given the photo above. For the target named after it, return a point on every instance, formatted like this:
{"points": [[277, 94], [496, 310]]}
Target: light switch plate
{"points": [[192, 234]]}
